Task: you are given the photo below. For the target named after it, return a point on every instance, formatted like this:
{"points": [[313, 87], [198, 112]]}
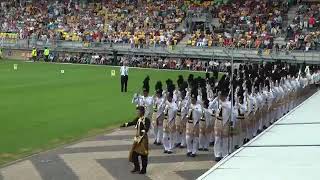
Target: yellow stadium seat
{"points": [[193, 43]]}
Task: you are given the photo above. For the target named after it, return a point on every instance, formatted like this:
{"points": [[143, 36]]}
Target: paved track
{"points": [[105, 157]]}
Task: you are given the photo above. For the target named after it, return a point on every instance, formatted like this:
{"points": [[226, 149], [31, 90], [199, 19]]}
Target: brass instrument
{"points": [[138, 137]]}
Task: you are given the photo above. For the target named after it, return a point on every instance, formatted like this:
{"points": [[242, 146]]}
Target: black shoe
{"points": [[200, 149], [135, 170], [193, 155], [236, 147], [244, 141], [181, 147], [169, 152], [178, 145], [155, 143], [165, 151], [189, 154], [143, 171], [264, 127], [211, 144], [206, 149], [217, 159], [159, 143], [259, 131]]}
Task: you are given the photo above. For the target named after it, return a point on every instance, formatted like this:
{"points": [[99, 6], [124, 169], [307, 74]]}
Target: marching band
{"points": [[203, 112]]}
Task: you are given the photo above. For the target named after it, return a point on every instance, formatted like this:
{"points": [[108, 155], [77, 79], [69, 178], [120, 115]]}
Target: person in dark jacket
{"points": [[140, 145]]}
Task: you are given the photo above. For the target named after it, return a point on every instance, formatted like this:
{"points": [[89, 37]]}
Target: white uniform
{"points": [[297, 93], [273, 113], [192, 126], [262, 105], [240, 124], [222, 129], [183, 106], [251, 115], [258, 107], [293, 93], [205, 126], [146, 102], [279, 99], [286, 90], [209, 92], [282, 95], [171, 109], [158, 118], [236, 129], [269, 102], [213, 106]]}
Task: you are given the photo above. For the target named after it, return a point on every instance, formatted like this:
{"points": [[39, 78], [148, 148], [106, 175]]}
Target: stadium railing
{"points": [[219, 53]]}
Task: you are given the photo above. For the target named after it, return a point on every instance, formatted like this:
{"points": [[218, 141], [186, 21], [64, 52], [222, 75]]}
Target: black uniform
{"points": [[140, 144]]}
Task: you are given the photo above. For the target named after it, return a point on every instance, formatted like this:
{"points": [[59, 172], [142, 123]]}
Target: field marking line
{"points": [[105, 143], [21, 171], [154, 173], [84, 164]]}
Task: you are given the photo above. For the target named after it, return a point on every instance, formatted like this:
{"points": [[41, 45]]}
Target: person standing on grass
{"points": [[140, 145], [46, 53], [34, 54], [124, 76]]}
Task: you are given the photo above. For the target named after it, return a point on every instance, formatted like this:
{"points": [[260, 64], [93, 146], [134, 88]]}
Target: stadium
{"points": [[199, 89]]}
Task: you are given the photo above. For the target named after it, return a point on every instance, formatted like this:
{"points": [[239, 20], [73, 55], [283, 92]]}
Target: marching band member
{"points": [[158, 115], [222, 124], [192, 126], [145, 100], [269, 103], [169, 121], [181, 120], [240, 123], [204, 124], [140, 145], [213, 107], [254, 110]]}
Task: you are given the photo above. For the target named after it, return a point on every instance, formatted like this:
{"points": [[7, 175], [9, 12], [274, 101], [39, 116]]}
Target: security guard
{"points": [[34, 54], [46, 53]]}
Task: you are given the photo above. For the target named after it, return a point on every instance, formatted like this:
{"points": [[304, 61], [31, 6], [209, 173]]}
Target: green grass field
{"points": [[40, 108]]}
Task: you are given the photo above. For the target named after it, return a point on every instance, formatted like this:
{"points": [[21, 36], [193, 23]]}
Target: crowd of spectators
{"points": [[168, 63], [140, 61], [244, 23], [133, 21], [304, 31], [147, 23]]}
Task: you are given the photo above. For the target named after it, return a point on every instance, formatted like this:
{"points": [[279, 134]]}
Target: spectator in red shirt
{"points": [[312, 21]]}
